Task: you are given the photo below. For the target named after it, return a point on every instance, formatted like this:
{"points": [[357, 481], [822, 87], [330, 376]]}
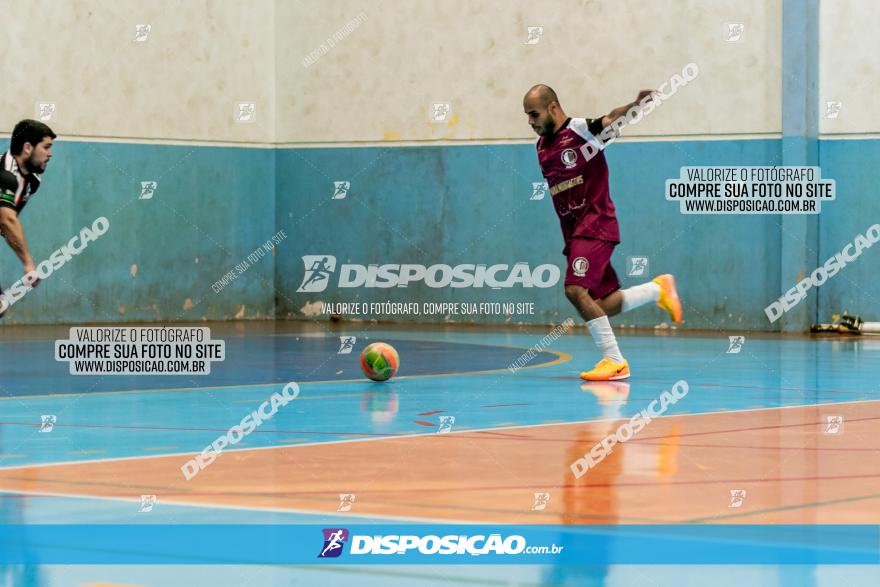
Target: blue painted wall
{"points": [[451, 205], [854, 165], [213, 206], [471, 204]]}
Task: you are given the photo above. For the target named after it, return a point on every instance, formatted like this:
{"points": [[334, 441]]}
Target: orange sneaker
{"points": [[607, 370], [668, 296]]}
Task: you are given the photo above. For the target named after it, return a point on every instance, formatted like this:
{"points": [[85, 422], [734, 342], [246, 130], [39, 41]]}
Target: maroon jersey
{"points": [[579, 187]]}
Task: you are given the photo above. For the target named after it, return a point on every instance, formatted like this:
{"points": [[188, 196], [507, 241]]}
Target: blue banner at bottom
{"points": [[436, 543]]}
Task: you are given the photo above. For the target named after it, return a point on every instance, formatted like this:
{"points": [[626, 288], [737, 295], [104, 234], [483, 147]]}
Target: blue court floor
{"points": [[461, 372]]}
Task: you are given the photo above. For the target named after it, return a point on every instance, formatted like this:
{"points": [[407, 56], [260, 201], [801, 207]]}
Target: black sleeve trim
{"points": [[594, 125]]}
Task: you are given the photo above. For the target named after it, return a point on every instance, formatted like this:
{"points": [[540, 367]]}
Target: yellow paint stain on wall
{"points": [[453, 122], [391, 135]]}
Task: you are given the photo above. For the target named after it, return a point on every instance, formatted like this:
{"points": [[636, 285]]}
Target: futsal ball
{"points": [[379, 361]]}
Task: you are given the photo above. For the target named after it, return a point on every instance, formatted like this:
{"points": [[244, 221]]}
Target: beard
{"points": [[35, 166], [544, 130]]}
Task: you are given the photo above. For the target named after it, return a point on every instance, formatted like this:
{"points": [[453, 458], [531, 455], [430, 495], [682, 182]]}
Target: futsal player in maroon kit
{"points": [[578, 182]]}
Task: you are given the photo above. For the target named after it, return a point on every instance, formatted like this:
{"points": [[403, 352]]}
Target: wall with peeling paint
{"points": [[161, 256], [849, 66], [379, 82], [118, 103], [183, 82], [850, 150], [421, 191], [469, 202]]}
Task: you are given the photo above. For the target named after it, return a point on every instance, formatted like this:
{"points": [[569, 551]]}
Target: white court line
{"points": [[424, 434], [184, 504]]}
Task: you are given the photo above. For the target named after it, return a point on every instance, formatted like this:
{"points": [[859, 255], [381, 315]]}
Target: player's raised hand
{"points": [[644, 94]]}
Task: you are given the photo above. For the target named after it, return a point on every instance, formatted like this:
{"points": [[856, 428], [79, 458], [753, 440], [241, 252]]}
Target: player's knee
{"points": [[575, 293]]}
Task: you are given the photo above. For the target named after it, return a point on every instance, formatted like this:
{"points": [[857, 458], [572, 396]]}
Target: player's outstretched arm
{"points": [[13, 232], [622, 110]]}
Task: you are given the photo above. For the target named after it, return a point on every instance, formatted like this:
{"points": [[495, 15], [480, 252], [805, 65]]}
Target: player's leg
{"points": [[660, 290], [586, 281], [613, 365]]}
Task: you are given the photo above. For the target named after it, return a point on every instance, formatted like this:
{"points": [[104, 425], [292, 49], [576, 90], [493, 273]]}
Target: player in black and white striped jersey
{"points": [[30, 150]]}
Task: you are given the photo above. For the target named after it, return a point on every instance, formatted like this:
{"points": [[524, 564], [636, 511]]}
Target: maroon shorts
{"points": [[589, 266]]}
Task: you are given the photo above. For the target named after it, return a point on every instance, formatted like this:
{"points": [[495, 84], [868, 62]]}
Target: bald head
{"points": [[542, 107], [541, 95]]}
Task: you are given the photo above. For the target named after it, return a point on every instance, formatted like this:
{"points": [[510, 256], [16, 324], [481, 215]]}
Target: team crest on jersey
{"points": [[580, 266], [569, 157]]}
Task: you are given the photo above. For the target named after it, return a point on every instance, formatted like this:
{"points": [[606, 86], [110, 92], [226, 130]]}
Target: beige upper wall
{"points": [[849, 66], [379, 81], [184, 82], [202, 58]]}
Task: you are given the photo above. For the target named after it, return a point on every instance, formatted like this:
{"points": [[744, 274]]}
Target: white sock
{"points": [[639, 295], [604, 338]]}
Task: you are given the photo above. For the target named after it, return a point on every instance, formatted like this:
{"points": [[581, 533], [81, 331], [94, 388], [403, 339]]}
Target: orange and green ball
{"points": [[379, 361]]}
